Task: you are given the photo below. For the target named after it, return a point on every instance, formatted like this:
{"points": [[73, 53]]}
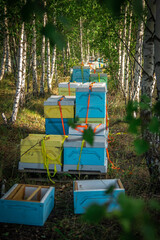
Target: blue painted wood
{"points": [[89, 156], [95, 192], [77, 74], [27, 212], [96, 111], [54, 126]]}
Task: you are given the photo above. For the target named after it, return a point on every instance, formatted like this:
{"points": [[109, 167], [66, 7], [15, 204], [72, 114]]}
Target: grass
{"points": [[62, 223]]}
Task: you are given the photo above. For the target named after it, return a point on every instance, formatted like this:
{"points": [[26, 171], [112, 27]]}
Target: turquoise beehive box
{"points": [[27, 204], [88, 192], [90, 158], [80, 74], [93, 95]]}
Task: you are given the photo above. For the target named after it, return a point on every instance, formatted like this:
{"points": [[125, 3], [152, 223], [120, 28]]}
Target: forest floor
{"points": [[62, 222]]}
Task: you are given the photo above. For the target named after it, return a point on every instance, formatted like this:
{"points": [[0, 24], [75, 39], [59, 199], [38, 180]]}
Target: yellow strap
{"points": [[98, 77], [83, 141], [46, 158]]}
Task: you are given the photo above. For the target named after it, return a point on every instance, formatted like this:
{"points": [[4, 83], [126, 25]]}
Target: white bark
{"points": [[24, 67], [3, 59], [64, 62], [124, 49], [19, 78], [43, 58], [8, 52], [120, 58], [127, 62], [49, 80], [34, 60], [53, 62], [68, 50]]}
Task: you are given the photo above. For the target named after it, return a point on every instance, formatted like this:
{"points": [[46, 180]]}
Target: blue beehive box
{"points": [[97, 104], [88, 192], [27, 204], [93, 158], [80, 74], [54, 126]]}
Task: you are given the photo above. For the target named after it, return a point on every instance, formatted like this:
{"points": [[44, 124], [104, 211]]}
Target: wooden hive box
{"points": [[78, 71], [93, 158], [52, 110], [88, 192], [100, 129], [66, 90], [31, 151], [97, 104], [101, 77], [27, 204]]}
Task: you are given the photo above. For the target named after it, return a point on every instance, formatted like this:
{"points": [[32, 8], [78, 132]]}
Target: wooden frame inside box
{"points": [[27, 204], [88, 192]]}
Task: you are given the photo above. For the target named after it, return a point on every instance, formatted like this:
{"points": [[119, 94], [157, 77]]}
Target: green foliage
{"points": [[134, 217], [141, 146], [113, 6], [32, 7], [88, 135], [73, 123], [54, 36]]}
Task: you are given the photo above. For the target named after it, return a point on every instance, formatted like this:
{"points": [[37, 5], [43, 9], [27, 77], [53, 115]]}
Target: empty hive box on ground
{"points": [[31, 149], [68, 88], [57, 108], [88, 192], [27, 204], [83, 156], [80, 74], [98, 77], [91, 102]]}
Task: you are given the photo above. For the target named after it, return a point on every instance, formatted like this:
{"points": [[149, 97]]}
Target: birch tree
{"points": [[34, 59], [49, 81], [81, 39], [19, 77], [43, 56]]}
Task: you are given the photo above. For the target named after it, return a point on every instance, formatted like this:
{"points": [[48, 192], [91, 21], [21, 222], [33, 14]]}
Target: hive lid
{"points": [[96, 87], [100, 129], [72, 85], [96, 75], [79, 67], [76, 141], [66, 101], [35, 139]]}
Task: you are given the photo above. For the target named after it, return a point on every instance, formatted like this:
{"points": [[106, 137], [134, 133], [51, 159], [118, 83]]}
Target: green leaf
{"points": [[141, 146], [156, 108], [154, 125], [31, 7], [88, 135], [133, 125], [72, 123], [113, 6], [94, 214], [54, 36], [110, 189], [153, 204]]}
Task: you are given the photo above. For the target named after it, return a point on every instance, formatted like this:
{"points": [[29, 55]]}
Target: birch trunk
{"points": [[8, 52], [128, 58], [53, 62], [124, 49], [64, 62], [138, 61], [152, 156], [19, 78], [120, 59], [24, 67], [34, 60], [43, 58], [49, 81], [3, 59], [157, 48], [81, 39]]}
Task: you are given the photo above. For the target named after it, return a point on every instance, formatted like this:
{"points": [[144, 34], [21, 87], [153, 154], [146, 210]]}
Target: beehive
{"points": [[99, 129], [31, 151], [54, 114], [96, 104], [88, 192], [92, 157], [98, 77], [80, 74], [27, 204], [68, 89]]}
